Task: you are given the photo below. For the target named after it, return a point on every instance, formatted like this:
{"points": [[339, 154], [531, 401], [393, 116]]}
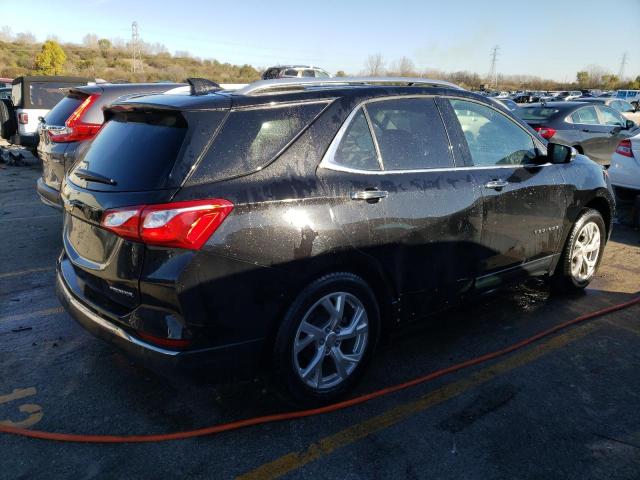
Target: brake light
{"points": [[23, 118], [546, 132], [624, 148], [75, 128], [178, 224]]}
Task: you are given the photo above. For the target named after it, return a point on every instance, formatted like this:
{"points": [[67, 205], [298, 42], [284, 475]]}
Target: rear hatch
{"points": [[140, 157], [53, 153]]}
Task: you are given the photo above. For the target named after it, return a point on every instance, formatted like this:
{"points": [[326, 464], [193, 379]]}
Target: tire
{"points": [[8, 126], [575, 270], [309, 335]]}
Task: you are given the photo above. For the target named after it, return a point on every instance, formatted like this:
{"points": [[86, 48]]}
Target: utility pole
{"points": [[623, 63], [136, 53], [493, 72]]}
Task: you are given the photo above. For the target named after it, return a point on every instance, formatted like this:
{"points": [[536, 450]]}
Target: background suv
{"points": [[289, 224], [74, 121], [294, 71]]}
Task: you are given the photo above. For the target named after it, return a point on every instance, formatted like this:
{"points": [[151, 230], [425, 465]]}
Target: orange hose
{"points": [[225, 427]]}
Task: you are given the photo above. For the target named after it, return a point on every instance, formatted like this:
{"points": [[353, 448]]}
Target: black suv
{"points": [[289, 224], [69, 126]]}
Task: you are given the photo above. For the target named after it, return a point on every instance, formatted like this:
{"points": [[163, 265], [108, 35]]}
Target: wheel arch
{"points": [[353, 262]]}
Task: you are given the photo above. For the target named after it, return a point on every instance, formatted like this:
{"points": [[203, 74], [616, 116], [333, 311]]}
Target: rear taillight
{"points": [[546, 132], [75, 128], [178, 224], [624, 148], [23, 118]]}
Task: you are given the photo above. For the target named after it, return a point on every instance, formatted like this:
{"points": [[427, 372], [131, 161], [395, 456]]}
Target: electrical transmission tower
{"points": [[623, 63], [136, 51], [493, 72]]}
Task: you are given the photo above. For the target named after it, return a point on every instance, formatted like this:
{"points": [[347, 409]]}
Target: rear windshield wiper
{"points": [[94, 177]]}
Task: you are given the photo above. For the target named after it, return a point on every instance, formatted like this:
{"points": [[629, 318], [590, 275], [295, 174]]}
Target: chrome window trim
{"points": [[328, 163], [376, 145]]}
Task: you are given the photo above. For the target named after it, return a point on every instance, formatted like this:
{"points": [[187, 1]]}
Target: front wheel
{"points": [[582, 253], [326, 339]]}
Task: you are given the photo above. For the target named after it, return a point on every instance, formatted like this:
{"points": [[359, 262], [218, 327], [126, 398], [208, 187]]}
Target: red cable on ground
{"points": [[225, 427]]}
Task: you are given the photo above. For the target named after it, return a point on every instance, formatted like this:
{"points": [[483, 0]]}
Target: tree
{"points": [[50, 59], [404, 67], [25, 37], [374, 66], [90, 40], [6, 34], [104, 45], [582, 78], [610, 81]]}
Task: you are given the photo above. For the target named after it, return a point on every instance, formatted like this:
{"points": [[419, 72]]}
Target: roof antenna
{"points": [[202, 86]]}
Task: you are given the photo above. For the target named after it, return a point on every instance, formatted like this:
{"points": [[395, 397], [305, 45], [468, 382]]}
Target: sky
{"points": [[550, 39]]}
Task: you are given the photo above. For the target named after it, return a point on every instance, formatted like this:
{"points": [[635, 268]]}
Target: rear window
{"points": [[47, 94], [533, 114], [250, 139], [137, 150], [63, 109]]}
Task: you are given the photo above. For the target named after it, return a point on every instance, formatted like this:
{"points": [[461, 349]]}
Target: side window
{"points": [[611, 117], [356, 149], [410, 134], [493, 139], [585, 116], [250, 139]]}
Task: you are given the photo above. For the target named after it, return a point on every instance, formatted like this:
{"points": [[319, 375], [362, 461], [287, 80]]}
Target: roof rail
{"points": [[262, 86]]}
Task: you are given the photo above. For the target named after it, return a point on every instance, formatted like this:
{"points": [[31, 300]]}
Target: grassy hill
{"points": [[114, 63]]}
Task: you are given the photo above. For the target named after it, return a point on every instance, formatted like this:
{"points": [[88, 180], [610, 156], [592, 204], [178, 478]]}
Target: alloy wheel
{"points": [[585, 252], [331, 340]]}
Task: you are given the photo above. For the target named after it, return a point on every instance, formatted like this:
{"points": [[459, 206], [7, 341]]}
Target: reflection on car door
{"points": [[430, 219], [524, 203]]}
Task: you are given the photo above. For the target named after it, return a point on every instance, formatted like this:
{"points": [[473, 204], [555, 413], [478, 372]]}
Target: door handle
{"points": [[496, 184], [369, 195]]}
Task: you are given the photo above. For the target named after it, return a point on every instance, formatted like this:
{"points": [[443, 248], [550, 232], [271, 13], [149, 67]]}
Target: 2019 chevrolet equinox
{"points": [[287, 225]]}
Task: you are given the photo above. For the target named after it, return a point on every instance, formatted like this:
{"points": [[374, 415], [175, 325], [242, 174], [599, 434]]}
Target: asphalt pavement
{"points": [[567, 407]]}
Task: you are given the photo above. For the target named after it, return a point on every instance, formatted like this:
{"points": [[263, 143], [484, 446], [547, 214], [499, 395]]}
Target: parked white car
{"points": [[625, 164]]}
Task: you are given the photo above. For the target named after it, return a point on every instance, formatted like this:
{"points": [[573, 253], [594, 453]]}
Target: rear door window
{"points": [[251, 139], [493, 138], [59, 114], [356, 148], [611, 117], [585, 116], [410, 134], [136, 150]]}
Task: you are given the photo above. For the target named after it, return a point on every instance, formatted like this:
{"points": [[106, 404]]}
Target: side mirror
{"points": [[630, 125], [557, 153], [41, 119]]}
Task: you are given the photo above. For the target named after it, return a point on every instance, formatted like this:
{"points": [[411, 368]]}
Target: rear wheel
{"points": [[582, 253], [326, 339], [7, 120]]}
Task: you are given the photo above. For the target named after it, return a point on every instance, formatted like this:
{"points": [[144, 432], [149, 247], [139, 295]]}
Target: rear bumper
{"points": [[219, 363], [49, 195], [26, 140]]}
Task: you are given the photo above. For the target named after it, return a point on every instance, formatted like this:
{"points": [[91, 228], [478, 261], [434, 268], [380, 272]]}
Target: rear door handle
{"points": [[496, 184], [368, 195]]}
